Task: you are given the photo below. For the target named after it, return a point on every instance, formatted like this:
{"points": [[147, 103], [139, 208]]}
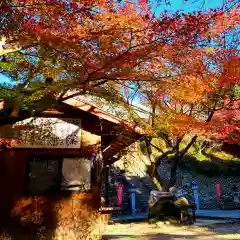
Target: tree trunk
{"points": [[178, 157], [156, 178], [153, 168], [15, 110], [173, 174]]}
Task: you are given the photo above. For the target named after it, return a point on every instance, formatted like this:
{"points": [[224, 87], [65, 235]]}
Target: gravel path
{"points": [[145, 231]]}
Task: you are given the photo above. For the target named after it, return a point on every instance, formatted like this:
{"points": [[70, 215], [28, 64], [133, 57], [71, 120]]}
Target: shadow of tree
{"points": [[28, 217], [51, 218], [233, 149], [211, 168]]}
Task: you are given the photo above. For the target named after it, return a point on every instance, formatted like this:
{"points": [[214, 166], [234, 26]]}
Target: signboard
{"points": [[48, 133]]}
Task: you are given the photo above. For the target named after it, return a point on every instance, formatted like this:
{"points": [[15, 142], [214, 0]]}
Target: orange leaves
{"points": [[231, 72], [225, 22], [177, 123], [235, 12], [101, 40], [189, 89], [118, 21]]}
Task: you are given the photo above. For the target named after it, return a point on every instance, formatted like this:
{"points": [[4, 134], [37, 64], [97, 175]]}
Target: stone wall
{"points": [[135, 166], [207, 188]]}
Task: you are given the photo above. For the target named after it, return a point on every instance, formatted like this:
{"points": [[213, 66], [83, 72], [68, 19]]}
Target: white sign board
{"points": [[49, 133]]}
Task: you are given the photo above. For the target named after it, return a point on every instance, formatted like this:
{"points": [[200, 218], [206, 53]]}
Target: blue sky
{"points": [[3, 79], [186, 6]]}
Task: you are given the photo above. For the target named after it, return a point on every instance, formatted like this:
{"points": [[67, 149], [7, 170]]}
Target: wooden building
{"points": [[54, 168]]}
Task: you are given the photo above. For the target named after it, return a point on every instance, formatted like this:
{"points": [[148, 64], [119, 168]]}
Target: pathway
{"points": [[228, 214], [144, 231]]}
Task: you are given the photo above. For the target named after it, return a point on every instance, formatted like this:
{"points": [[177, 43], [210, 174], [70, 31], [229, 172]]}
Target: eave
{"points": [[103, 124]]}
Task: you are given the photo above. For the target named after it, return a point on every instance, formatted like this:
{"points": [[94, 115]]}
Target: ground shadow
{"points": [[233, 149], [214, 167], [30, 217]]}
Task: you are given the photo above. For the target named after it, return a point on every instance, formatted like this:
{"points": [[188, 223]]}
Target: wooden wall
{"points": [[13, 166], [24, 217]]}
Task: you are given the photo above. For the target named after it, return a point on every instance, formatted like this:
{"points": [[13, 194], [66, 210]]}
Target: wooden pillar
{"points": [[96, 179], [106, 185]]}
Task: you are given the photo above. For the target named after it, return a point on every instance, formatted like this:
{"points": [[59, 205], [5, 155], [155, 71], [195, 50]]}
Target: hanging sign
{"points": [[48, 133]]}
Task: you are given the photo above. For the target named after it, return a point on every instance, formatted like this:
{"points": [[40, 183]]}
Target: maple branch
{"points": [[83, 92], [28, 5], [179, 155], [141, 80], [67, 55], [169, 105], [131, 35], [165, 137], [134, 95], [121, 55], [71, 96], [194, 138], [9, 50], [159, 159], [203, 4], [99, 83], [183, 152], [157, 148], [62, 94], [124, 85], [131, 105], [109, 63], [117, 29], [179, 139], [14, 47]]}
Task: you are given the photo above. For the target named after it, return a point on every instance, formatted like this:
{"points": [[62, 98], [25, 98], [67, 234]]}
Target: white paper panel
{"points": [[76, 171], [50, 133]]}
